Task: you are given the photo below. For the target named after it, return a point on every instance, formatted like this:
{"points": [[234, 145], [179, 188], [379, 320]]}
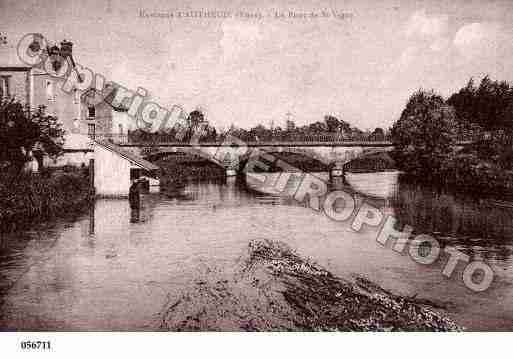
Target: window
{"points": [[49, 91], [91, 112], [91, 130], [5, 90], [120, 127]]}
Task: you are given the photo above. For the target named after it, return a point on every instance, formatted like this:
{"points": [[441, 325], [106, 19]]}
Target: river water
{"points": [[111, 268]]}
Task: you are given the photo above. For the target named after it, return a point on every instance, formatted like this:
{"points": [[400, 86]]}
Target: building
{"points": [[114, 168], [103, 118], [37, 88], [87, 117]]}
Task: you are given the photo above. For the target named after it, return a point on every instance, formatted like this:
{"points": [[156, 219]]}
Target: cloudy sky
{"points": [[361, 67]]}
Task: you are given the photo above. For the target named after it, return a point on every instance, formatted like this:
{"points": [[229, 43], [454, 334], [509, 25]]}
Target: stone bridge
{"points": [[231, 155]]}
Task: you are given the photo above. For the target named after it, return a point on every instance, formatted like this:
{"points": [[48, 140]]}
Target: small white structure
{"points": [[115, 167]]}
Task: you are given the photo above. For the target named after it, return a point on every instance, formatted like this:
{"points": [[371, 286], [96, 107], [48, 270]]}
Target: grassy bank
{"points": [[468, 173], [34, 197], [276, 290]]}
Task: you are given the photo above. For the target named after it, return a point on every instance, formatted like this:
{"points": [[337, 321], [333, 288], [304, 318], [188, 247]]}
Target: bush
{"points": [[471, 172], [32, 197]]}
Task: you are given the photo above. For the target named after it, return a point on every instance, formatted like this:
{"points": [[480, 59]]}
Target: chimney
{"points": [[54, 50], [66, 49]]}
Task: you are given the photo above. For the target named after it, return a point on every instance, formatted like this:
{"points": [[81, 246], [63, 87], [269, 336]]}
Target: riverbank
{"points": [[482, 179], [33, 197], [482, 167], [470, 173], [277, 290]]}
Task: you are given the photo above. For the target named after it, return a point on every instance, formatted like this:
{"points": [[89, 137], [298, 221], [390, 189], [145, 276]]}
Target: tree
{"points": [[290, 125], [336, 125], [424, 134], [464, 103], [194, 122], [378, 134], [196, 118], [487, 105], [317, 128], [332, 122], [26, 135], [260, 133]]}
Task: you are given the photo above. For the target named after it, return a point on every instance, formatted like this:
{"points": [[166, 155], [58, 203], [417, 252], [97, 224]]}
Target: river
{"points": [[111, 268]]}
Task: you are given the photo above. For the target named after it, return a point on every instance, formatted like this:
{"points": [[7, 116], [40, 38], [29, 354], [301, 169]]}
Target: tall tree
{"points": [[486, 105], [424, 134]]}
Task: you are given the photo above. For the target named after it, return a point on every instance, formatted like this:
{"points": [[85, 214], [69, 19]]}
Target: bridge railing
{"points": [[112, 137], [159, 138]]}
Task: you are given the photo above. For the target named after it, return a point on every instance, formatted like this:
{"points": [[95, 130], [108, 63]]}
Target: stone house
{"points": [[109, 120], [80, 120]]}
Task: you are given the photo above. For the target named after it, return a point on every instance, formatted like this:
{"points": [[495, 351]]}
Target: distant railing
{"points": [[156, 138], [117, 138], [162, 138]]}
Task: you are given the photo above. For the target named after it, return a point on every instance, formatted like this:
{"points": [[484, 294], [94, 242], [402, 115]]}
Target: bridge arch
{"points": [[285, 159], [235, 158], [156, 154], [178, 164]]}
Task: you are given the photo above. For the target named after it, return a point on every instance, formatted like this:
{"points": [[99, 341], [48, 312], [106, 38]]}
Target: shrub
{"points": [[32, 197]]}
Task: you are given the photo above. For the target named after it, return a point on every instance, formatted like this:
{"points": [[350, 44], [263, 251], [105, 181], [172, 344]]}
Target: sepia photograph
{"points": [[255, 166]]}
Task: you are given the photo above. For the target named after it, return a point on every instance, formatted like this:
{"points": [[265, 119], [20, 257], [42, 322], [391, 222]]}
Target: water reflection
{"points": [[135, 215], [435, 210], [381, 185], [114, 267], [91, 220], [480, 227]]}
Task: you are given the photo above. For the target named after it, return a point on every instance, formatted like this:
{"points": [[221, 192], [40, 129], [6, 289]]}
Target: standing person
{"points": [[134, 196]]}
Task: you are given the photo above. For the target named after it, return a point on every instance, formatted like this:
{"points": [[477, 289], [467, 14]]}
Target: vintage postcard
{"points": [[287, 166]]}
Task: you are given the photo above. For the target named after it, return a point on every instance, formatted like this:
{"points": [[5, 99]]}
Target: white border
{"points": [[260, 345]]}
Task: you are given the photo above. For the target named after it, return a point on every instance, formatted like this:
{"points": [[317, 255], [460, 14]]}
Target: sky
{"points": [[361, 67]]}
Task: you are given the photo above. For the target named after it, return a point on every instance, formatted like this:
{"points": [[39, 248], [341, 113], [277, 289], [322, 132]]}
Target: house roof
{"points": [[134, 159]]}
